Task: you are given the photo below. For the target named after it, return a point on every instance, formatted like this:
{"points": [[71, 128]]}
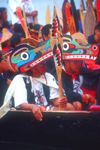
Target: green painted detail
{"points": [[16, 60], [76, 52], [48, 45]]}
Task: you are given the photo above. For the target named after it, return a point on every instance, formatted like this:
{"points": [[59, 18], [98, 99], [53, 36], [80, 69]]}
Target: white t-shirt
{"points": [[13, 4], [20, 94], [18, 90]]}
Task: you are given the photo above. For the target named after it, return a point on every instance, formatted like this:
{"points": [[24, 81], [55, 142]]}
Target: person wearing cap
{"points": [[4, 82], [29, 11], [5, 40], [72, 82]]}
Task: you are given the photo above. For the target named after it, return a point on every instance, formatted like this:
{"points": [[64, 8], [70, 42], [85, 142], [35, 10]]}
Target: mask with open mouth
{"points": [[24, 56], [74, 51]]}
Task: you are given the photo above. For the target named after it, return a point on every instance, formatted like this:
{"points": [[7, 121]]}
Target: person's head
{"points": [[15, 40], [3, 13], [38, 70], [46, 32], [72, 66], [3, 62], [97, 32]]}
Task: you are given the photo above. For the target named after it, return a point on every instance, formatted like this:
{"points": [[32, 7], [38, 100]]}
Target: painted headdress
{"points": [[24, 56], [74, 51]]}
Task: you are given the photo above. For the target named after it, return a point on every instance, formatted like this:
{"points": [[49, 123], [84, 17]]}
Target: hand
{"points": [[62, 102], [34, 13], [36, 110], [42, 108], [92, 100]]}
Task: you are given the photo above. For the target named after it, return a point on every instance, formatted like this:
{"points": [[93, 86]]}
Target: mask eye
{"points": [[24, 56], [65, 46], [94, 47]]}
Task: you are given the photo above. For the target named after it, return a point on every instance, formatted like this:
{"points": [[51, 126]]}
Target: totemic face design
{"points": [[56, 35], [74, 51], [24, 56]]}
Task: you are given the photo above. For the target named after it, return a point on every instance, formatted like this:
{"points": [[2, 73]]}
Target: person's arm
{"points": [[33, 14], [8, 81], [88, 99], [90, 72], [60, 102], [21, 101], [36, 110], [73, 96]]}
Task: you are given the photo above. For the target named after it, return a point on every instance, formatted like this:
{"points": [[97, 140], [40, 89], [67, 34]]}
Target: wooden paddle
{"points": [[40, 39], [57, 46], [59, 14], [71, 21], [25, 21], [89, 3], [89, 22], [48, 15], [19, 13], [65, 21], [75, 16], [82, 16], [83, 6]]}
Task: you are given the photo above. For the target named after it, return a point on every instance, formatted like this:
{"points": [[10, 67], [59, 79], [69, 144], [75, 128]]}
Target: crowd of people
{"points": [[37, 89]]}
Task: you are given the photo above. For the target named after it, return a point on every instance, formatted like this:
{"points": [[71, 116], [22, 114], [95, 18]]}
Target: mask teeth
{"points": [[81, 56], [41, 59]]}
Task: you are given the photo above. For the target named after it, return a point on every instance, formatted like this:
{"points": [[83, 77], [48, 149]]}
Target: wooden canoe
{"points": [[65, 130]]}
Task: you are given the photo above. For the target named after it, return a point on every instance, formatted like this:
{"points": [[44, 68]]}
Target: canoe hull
{"points": [[56, 131]]}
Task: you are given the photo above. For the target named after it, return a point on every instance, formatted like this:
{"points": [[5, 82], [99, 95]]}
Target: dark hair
{"points": [[2, 9], [1, 55], [4, 44], [97, 26], [63, 61], [5, 24], [15, 39], [45, 29]]}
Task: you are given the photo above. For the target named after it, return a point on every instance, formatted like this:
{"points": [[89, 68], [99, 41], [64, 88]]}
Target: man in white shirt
{"points": [[29, 11]]}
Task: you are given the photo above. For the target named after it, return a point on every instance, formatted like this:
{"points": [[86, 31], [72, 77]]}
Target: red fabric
{"points": [[73, 75], [91, 92], [95, 108], [91, 64], [35, 36], [5, 49]]}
